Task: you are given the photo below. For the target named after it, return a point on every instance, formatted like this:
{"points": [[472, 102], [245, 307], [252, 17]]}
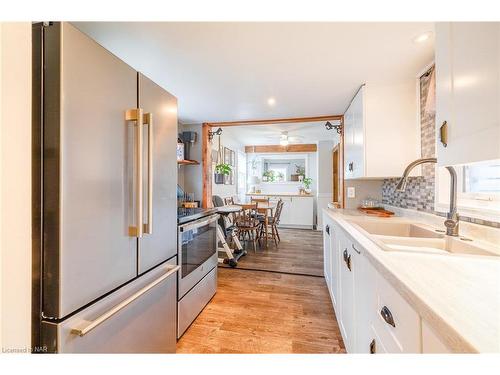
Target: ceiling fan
{"points": [[285, 139]]}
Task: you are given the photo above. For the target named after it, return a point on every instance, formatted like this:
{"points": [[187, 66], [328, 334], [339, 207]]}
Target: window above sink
{"points": [[478, 190]]}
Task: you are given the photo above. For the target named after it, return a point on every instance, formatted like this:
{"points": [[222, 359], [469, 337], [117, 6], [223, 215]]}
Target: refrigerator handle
{"points": [[108, 314], [148, 119], [136, 115]]}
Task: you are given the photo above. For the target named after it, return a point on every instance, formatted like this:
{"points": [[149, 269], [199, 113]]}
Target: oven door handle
{"points": [[197, 224]]}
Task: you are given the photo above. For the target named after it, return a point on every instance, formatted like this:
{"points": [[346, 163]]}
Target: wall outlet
{"points": [[351, 192]]}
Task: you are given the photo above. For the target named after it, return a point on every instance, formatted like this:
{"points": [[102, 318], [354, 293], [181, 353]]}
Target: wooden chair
{"points": [[249, 225], [273, 222]]}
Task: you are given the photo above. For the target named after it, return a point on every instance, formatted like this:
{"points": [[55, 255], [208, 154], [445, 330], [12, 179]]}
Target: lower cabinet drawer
{"points": [[396, 324], [140, 317], [195, 300]]}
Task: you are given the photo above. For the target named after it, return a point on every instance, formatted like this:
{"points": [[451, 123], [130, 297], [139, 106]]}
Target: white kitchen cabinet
{"points": [[302, 211], [468, 91], [365, 300], [381, 131], [334, 265], [297, 212], [372, 315], [397, 324]]}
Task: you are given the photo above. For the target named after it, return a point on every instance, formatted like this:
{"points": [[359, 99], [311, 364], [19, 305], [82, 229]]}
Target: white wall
{"points": [[15, 182], [231, 143]]}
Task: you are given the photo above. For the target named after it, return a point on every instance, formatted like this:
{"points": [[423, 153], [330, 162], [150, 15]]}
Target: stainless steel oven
{"points": [[197, 251]]}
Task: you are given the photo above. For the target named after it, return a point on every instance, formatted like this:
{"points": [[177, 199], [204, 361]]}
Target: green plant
{"points": [[270, 175], [223, 168], [307, 182]]}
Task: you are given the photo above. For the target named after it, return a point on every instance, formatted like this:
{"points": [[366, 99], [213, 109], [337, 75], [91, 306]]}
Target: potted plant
{"points": [[268, 176], [307, 184], [221, 170]]}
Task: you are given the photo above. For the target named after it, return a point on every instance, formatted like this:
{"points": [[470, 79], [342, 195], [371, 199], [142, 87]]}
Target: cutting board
{"points": [[376, 211]]}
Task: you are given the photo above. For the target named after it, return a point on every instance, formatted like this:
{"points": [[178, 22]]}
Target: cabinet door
{"points": [[358, 148], [302, 211], [467, 71], [327, 269], [334, 265], [286, 212], [365, 301], [347, 326], [354, 138]]}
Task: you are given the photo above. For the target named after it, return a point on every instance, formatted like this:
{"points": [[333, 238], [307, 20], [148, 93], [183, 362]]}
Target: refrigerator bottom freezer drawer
{"points": [[138, 318], [195, 300]]}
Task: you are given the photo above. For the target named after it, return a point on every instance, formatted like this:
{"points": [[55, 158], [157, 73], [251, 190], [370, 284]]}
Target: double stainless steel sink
{"points": [[412, 237]]}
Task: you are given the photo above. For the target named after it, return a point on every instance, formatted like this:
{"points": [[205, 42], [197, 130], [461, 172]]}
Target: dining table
{"points": [[265, 208]]}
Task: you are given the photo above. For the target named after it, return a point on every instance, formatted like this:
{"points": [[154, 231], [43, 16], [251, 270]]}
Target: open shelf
{"points": [[187, 162]]}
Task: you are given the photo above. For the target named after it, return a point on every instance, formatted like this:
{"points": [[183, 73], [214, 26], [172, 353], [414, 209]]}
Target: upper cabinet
{"points": [[467, 92], [381, 131]]}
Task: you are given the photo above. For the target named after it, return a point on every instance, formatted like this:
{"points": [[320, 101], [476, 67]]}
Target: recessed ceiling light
{"points": [[422, 37], [271, 102]]}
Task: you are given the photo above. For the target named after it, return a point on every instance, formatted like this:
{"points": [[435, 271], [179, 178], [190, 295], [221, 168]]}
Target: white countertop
{"points": [[289, 194], [457, 295]]}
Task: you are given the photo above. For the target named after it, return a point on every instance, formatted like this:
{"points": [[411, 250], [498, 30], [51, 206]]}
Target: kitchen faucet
{"points": [[451, 222]]}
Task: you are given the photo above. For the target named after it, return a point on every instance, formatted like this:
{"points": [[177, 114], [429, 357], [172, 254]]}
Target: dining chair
{"points": [[249, 225], [272, 222]]}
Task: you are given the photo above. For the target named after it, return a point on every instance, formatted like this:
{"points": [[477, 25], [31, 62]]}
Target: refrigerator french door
{"points": [[107, 203]]}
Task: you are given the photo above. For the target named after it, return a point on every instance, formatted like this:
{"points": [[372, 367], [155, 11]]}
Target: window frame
{"points": [[484, 206]]}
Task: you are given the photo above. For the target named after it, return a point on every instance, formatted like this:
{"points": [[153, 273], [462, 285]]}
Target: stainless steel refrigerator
{"points": [[104, 200]]}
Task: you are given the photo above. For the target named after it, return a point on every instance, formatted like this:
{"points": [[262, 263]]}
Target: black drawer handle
{"points": [[387, 315], [373, 347], [347, 259], [327, 229]]}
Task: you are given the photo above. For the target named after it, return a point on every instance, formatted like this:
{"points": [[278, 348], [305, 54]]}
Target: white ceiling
{"points": [[305, 132], [227, 71]]}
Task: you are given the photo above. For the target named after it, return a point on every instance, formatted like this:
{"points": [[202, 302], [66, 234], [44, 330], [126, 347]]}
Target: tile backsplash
{"points": [[419, 194]]}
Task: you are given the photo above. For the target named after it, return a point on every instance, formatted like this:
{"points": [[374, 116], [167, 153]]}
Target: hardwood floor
{"points": [[300, 251], [265, 312], [263, 307]]}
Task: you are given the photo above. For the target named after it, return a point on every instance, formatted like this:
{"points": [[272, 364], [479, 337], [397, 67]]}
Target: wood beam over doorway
{"points": [[207, 149], [309, 147]]}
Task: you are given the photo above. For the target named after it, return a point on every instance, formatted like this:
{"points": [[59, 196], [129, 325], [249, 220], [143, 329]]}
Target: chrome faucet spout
{"points": [[452, 218]]}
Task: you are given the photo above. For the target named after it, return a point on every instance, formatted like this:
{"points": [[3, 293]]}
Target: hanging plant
{"points": [[223, 169]]}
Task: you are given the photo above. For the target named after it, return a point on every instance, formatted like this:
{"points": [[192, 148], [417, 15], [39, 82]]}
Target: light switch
{"points": [[351, 192]]}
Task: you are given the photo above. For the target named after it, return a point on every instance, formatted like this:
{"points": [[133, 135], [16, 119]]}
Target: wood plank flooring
{"points": [[300, 251], [265, 312]]}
